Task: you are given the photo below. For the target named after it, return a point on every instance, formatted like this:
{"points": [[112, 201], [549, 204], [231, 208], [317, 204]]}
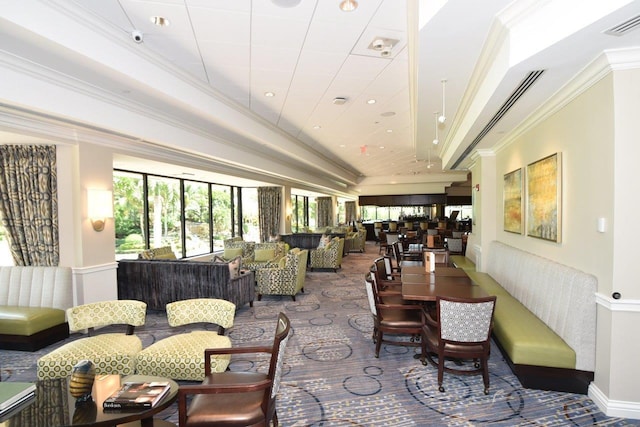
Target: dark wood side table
{"points": [[54, 406]]}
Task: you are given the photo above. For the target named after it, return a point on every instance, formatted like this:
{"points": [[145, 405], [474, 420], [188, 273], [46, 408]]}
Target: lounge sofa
{"points": [[33, 301], [159, 282], [545, 317]]}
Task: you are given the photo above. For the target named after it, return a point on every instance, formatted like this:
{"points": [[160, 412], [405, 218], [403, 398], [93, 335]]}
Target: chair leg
{"points": [[440, 372], [378, 342], [293, 297], [485, 374], [259, 297]]}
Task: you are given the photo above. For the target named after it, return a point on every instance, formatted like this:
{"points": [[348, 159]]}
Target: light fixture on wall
{"points": [[348, 5], [442, 118], [99, 207]]}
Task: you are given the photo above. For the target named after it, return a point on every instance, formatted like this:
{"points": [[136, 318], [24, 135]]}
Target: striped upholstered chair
{"points": [[328, 257], [181, 356], [285, 279], [112, 353]]}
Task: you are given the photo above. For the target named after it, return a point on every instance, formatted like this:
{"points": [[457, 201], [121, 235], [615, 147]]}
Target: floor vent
{"points": [[624, 27], [524, 85]]}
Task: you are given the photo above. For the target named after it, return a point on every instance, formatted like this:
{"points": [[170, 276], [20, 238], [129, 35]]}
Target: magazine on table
{"points": [[137, 395]]}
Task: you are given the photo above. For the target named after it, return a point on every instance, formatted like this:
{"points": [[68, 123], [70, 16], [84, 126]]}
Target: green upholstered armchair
{"points": [[358, 240], [234, 248], [330, 256], [265, 255], [286, 279], [112, 353], [181, 356]]}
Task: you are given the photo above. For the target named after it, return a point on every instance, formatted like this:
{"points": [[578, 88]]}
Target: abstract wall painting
{"points": [[512, 196], [544, 198]]}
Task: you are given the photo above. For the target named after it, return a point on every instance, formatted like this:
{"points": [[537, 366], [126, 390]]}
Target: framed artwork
{"points": [[544, 198], [512, 199]]}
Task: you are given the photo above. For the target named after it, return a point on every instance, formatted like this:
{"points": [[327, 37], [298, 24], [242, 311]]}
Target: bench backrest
{"points": [[36, 287], [560, 296]]}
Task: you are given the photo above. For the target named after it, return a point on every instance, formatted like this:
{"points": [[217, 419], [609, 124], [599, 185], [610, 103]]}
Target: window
{"points": [[128, 212], [250, 226], [222, 213], [164, 213], [196, 218], [5, 253]]}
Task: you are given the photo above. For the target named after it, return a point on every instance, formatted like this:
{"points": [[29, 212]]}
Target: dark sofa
{"points": [[158, 282]]}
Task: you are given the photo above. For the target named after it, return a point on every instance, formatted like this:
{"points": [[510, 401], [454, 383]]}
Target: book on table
{"points": [[13, 394], [137, 395]]}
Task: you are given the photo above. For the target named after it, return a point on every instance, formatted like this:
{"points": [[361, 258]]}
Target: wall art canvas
{"points": [[544, 198], [512, 197]]}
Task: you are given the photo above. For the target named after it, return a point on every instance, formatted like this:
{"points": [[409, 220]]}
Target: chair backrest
{"points": [[466, 320], [368, 285], [457, 234], [454, 244], [441, 257], [277, 355], [432, 232], [104, 313], [391, 238], [383, 237], [198, 310]]}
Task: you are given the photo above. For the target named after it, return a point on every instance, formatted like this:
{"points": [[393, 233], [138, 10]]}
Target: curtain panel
{"points": [[269, 207], [29, 203], [324, 211], [350, 212]]}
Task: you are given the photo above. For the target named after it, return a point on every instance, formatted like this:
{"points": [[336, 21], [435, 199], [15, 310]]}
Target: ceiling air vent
{"points": [[524, 85], [624, 27]]}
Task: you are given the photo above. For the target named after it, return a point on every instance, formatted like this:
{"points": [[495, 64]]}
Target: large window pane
{"points": [[250, 226], [312, 213], [128, 211], [164, 213], [196, 216], [222, 213], [5, 253]]}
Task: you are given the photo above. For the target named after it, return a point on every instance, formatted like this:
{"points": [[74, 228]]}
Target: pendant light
{"points": [[435, 140], [442, 118]]}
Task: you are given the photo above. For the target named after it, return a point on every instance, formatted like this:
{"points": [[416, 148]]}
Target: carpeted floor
{"points": [[332, 378]]}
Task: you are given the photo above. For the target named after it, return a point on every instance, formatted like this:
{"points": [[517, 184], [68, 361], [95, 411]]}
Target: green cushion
{"points": [[461, 261], [487, 283], [28, 320], [263, 255], [230, 253], [526, 339]]}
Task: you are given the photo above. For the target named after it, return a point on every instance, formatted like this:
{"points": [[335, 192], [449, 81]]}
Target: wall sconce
{"points": [[99, 207]]}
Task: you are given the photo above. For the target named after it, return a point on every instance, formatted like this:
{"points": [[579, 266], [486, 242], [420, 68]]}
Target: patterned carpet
{"points": [[332, 378]]}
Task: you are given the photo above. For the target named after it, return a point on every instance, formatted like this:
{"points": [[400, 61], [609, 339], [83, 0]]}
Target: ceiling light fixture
{"points": [[348, 5], [269, 94], [339, 100], [371, 101], [160, 21], [435, 140], [442, 118]]}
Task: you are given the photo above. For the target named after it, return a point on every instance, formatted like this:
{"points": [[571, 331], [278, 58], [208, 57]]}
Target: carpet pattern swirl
{"points": [[331, 377]]}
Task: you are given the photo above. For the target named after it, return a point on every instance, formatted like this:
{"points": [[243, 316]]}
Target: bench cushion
{"points": [[461, 261], [526, 339], [27, 321]]}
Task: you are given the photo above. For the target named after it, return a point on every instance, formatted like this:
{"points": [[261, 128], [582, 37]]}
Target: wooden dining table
{"points": [[425, 286]]}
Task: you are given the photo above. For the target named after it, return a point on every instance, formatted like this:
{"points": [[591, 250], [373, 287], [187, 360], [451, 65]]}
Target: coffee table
{"points": [[54, 406]]}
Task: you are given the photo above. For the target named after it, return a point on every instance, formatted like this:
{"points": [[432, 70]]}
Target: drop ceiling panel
{"points": [[225, 55], [237, 5], [280, 32], [221, 26]]}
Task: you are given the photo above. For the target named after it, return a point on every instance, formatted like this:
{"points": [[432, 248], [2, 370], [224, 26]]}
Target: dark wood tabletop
{"points": [[420, 285]]}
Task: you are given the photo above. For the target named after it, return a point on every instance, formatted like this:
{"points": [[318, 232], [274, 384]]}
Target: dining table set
{"points": [[420, 284]]}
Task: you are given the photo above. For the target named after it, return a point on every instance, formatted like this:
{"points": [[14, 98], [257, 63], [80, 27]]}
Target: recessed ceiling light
{"points": [[388, 114], [269, 94], [389, 130], [382, 147], [342, 145], [348, 5], [317, 127], [160, 21], [371, 101]]}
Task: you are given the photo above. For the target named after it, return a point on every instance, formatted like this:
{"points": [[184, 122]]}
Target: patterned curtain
{"points": [[350, 212], [269, 204], [29, 203], [324, 211]]}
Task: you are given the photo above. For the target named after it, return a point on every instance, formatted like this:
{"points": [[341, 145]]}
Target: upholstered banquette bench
{"points": [[33, 301], [545, 317]]}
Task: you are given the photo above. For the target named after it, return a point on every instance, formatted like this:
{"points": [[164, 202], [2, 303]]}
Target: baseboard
{"points": [[614, 408]]}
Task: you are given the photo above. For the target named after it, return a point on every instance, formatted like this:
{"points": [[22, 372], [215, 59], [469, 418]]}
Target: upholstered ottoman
{"points": [[181, 357]]}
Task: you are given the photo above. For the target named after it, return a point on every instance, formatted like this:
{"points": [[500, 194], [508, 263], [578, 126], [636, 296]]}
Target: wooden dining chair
{"points": [[234, 398], [461, 330]]}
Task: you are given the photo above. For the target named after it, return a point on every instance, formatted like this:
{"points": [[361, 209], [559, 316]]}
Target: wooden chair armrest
{"points": [[230, 350]]}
